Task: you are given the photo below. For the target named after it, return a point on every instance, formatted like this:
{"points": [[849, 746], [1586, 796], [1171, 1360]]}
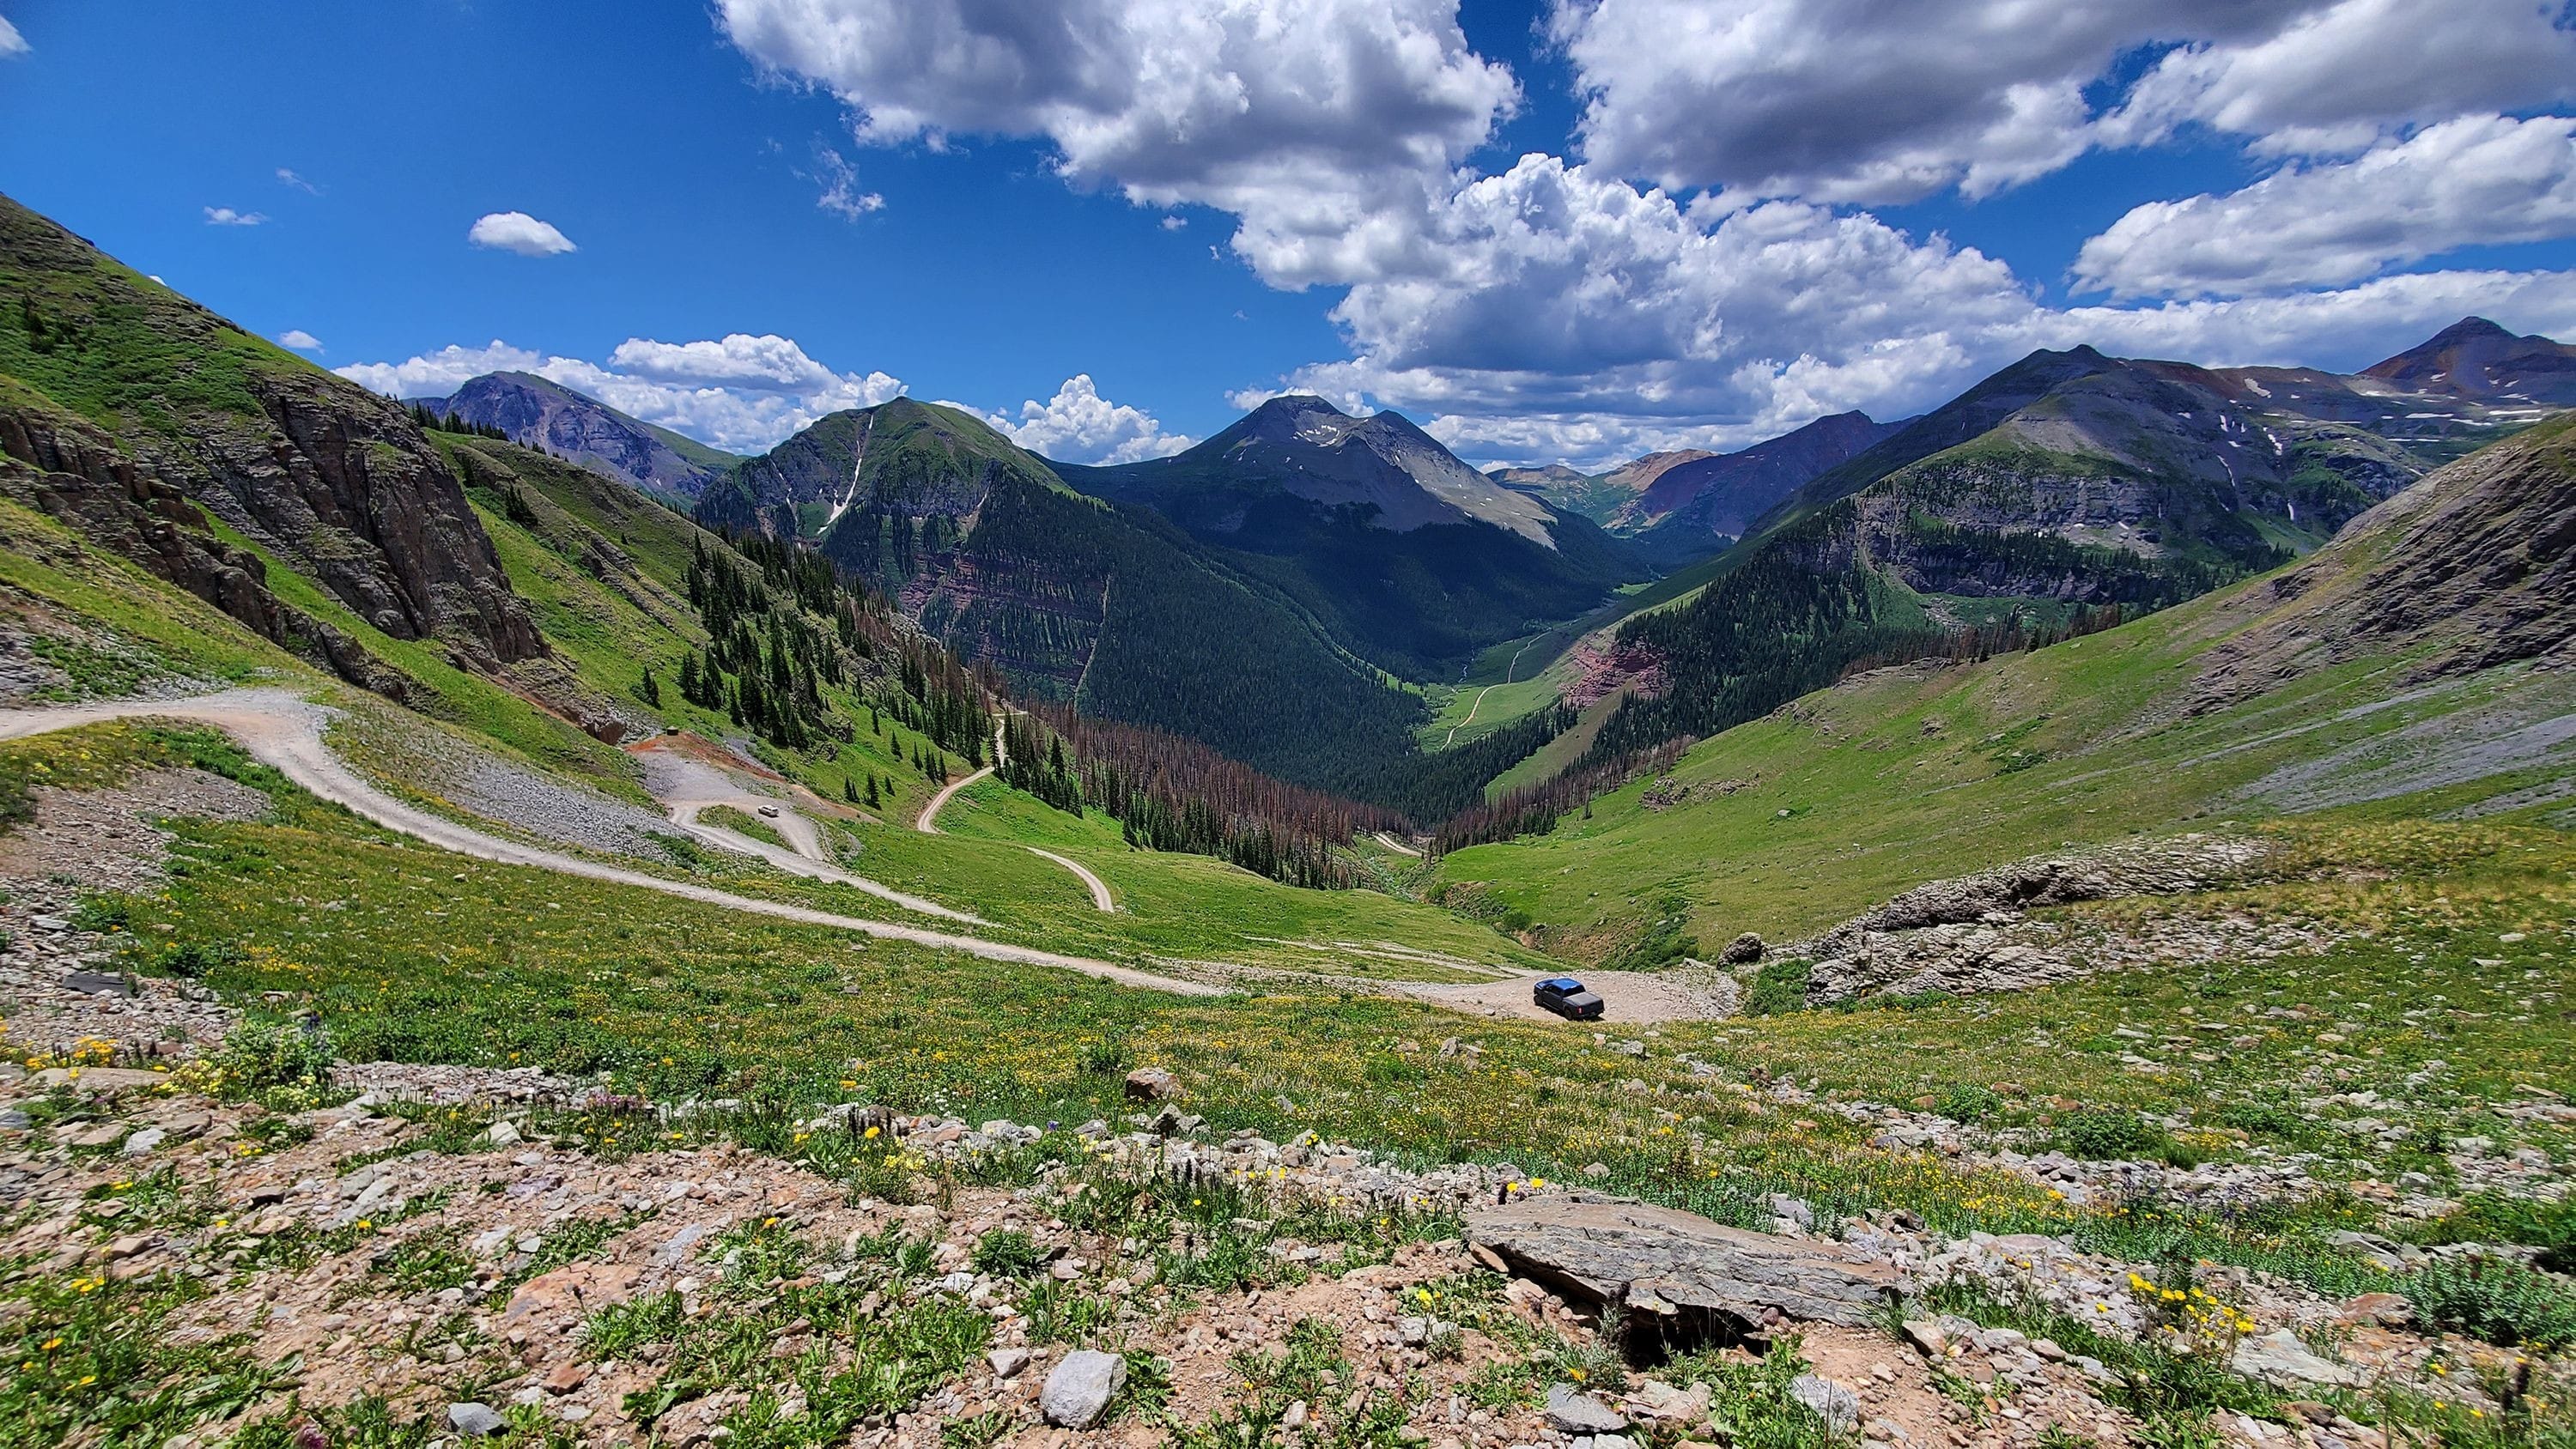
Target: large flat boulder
{"points": [[1668, 1262]]}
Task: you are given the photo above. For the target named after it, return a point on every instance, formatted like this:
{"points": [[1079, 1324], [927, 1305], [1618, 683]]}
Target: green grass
{"points": [[95, 1360], [991, 810], [119, 348], [458, 697], [1812, 814], [612, 623], [742, 822], [672, 999], [1512, 679], [188, 638]]}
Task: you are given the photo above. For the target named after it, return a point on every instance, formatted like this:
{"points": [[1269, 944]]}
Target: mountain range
{"points": [[1107, 608], [1359, 551], [1406, 555], [2068, 480], [537, 413], [1283, 591]]}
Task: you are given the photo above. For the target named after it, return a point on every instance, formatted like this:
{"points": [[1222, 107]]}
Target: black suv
{"points": [[1568, 998]]}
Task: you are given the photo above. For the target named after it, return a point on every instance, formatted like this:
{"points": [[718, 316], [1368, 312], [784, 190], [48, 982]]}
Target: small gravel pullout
{"points": [[688, 787], [284, 733]]}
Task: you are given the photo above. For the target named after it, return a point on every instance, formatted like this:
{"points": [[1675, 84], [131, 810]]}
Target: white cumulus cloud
{"points": [[516, 231], [1893, 100], [436, 374], [287, 177], [300, 340], [12, 44], [1078, 425], [226, 216], [2476, 179], [2335, 77], [768, 363], [1579, 318], [1562, 308], [1304, 118], [741, 393]]}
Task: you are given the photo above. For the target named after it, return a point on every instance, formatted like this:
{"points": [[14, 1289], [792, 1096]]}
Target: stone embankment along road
{"points": [[284, 732]]}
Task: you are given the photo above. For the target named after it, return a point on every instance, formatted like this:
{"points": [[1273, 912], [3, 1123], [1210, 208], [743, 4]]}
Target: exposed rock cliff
{"points": [[177, 403]]}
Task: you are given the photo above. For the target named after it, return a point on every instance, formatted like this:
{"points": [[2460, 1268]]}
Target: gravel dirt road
{"points": [[284, 732]]}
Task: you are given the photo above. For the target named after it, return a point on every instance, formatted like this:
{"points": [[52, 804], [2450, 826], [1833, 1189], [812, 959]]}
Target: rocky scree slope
{"points": [[2476, 565]]}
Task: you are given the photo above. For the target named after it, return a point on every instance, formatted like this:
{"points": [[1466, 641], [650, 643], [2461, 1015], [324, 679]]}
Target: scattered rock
{"points": [[1007, 1362], [1744, 950], [1078, 1392], [2279, 1357], [1837, 1404], [474, 1421], [2386, 1310], [1572, 1411], [577, 1289], [1152, 1084], [1655, 1399]]}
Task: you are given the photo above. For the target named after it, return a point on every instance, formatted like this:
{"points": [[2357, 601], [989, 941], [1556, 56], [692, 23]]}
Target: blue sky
{"points": [[776, 207]]}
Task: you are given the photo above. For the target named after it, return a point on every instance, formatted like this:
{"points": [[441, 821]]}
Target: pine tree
{"points": [[650, 689], [872, 792]]}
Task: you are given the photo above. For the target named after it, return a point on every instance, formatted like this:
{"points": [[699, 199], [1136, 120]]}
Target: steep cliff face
{"points": [[75, 473], [330, 476]]}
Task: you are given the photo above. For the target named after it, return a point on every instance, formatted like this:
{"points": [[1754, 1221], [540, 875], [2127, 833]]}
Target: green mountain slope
{"points": [[1070, 597], [2069, 481], [2415, 665], [141, 415], [1409, 557]]}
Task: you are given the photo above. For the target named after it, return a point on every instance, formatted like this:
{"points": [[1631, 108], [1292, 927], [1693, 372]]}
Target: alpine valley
{"points": [[518, 924]]}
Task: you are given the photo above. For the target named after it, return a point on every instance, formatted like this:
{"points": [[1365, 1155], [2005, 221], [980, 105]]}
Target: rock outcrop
{"points": [[132, 390], [73, 472], [1681, 1268], [1958, 936]]}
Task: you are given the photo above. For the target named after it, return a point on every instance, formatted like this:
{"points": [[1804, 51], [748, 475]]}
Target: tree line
{"points": [[431, 421], [1535, 809], [1172, 793]]}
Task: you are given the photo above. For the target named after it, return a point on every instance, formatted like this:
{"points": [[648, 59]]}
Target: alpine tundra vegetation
{"points": [[1876, 748]]}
